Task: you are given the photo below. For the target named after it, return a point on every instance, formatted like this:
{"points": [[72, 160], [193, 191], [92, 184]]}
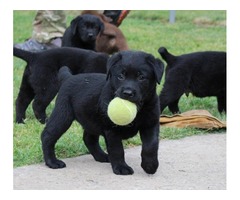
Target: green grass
{"points": [[146, 31]]}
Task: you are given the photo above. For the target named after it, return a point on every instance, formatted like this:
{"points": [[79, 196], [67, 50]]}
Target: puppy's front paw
{"points": [[150, 167], [122, 169], [55, 164]]}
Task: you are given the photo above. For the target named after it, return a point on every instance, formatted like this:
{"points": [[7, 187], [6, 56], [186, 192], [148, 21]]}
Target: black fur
{"points": [[82, 32], [201, 73], [40, 82], [85, 98]]}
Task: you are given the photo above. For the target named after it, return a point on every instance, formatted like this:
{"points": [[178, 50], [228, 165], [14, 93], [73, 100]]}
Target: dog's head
{"points": [[133, 75], [87, 27]]}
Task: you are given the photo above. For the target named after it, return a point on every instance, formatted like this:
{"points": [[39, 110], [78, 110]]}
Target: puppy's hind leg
{"points": [[173, 107], [92, 143], [221, 99], [59, 122], [25, 96], [42, 100], [171, 93], [171, 100]]}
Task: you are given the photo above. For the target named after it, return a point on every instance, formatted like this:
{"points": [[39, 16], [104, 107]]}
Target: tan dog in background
{"points": [[111, 40]]}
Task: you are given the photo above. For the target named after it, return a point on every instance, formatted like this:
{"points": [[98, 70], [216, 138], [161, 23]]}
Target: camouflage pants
{"points": [[48, 24]]}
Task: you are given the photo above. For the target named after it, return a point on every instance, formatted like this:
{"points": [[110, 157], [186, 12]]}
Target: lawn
{"points": [[146, 31]]}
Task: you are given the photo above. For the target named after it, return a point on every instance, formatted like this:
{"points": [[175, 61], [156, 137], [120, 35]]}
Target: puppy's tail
{"points": [[24, 55], [63, 74], [169, 58]]}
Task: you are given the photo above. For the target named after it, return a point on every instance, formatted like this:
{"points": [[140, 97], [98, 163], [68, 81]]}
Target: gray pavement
{"points": [[196, 162]]}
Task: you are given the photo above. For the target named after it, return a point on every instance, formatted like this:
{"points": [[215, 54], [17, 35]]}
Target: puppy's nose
{"points": [[90, 35], [128, 93]]}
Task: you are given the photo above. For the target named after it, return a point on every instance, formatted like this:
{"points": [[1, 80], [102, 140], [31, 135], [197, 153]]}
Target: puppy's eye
{"points": [[141, 77], [121, 77]]}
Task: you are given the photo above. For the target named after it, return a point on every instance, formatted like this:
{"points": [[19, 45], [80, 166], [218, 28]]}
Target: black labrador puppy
{"points": [[82, 32], [40, 82], [85, 98], [201, 73]]}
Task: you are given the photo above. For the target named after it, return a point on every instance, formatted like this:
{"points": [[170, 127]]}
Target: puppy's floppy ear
{"points": [[74, 24], [115, 58], [101, 27], [157, 66]]}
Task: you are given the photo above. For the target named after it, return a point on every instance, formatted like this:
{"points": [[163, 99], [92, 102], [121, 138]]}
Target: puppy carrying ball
{"points": [[117, 106]]}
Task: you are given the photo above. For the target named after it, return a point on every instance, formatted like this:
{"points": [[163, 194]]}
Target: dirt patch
{"points": [[205, 21]]}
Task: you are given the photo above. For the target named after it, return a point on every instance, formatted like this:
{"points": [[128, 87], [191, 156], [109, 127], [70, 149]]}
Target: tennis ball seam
{"points": [[128, 107]]}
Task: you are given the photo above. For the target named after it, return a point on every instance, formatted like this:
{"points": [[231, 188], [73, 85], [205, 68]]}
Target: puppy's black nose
{"points": [[128, 93]]}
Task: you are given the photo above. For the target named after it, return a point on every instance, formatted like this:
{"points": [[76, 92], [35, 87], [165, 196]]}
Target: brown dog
{"points": [[111, 40]]}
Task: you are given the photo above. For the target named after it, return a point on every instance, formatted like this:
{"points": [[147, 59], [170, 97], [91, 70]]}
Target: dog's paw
{"points": [[123, 169], [150, 167], [56, 164], [102, 158], [20, 121]]}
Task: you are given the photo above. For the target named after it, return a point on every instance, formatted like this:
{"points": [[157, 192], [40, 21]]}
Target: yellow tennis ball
{"points": [[121, 111]]}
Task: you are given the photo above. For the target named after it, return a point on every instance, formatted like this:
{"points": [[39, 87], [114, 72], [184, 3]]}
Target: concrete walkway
{"points": [[197, 162]]}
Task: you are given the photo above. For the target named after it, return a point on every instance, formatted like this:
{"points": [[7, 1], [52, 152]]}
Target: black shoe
{"points": [[33, 45]]}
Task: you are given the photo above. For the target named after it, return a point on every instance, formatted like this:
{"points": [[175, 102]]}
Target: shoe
{"points": [[33, 45]]}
